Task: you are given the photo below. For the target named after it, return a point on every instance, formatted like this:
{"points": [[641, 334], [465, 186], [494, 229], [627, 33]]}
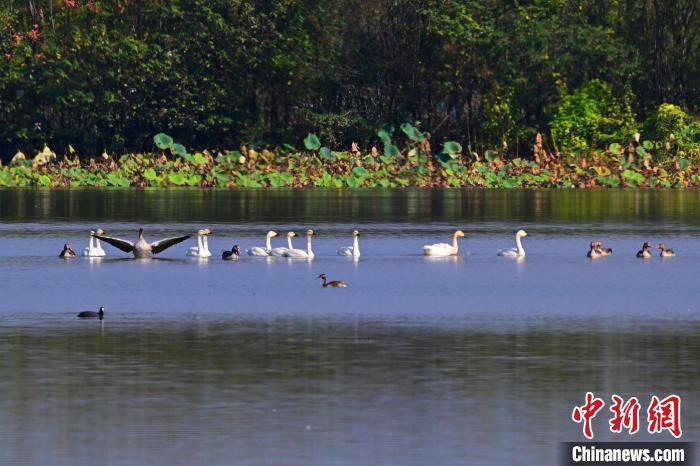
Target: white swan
{"points": [[258, 251], [518, 250], [202, 248], [444, 249], [353, 250], [279, 252], [94, 248], [300, 253]]}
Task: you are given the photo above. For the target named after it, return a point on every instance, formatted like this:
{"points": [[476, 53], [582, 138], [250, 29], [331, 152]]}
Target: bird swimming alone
{"points": [[444, 249], [67, 252], [300, 253], [333, 284], [92, 314], [143, 249], [258, 251], [665, 252], [353, 250], [94, 248], [202, 248], [518, 250], [645, 253], [232, 255]]}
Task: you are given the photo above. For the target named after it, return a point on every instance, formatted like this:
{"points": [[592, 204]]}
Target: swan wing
{"points": [[296, 253], [508, 252], [279, 252], [163, 244], [437, 249], [122, 244], [346, 251], [257, 251]]}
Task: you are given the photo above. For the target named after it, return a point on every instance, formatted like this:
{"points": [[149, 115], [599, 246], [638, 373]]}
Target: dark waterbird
{"points": [[92, 314], [67, 252], [142, 249], [233, 254], [333, 284]]}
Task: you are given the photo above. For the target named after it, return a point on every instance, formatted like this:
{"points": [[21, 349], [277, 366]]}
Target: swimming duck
{"points": [[93, 314], [258, 251], [333, 284], [353, 250], [300, 253], [444, 249], [94, 248], [518, 250], [279, 251], [233, 254], [202, 248], [67, 252], [645, 253], [665, 252], [142, 249], [604, 251], [594, 252]]}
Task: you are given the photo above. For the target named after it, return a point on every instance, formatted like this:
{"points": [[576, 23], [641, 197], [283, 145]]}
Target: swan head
{"points": [[272, 234], [310, 232], [459, 234], [355, 233], [291, 234], [206, 232], [92, 233], [100, 231], [521, 233]]}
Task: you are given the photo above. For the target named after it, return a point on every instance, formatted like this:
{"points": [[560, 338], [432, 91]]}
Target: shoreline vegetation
{"points": [[673, 163]]}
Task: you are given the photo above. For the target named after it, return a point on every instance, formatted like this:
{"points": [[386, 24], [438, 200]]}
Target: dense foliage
{"points": [[491, 74]]}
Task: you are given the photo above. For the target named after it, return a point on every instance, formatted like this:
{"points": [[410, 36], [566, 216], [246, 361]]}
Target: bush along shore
{"points": [[673, 163]]}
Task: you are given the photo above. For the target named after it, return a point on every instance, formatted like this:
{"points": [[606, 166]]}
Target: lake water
{"points": [[474, 359]]}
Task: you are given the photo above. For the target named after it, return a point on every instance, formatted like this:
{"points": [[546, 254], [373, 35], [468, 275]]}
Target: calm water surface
{"points": [[474, 359]]}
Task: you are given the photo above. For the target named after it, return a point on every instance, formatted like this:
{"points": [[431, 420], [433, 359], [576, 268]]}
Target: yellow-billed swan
{"points": [[300, 253], [279, 252], [353, 250], [518, 250], [202, 248], [258, 251], [142, 249], [444, 249], [94, 248]]}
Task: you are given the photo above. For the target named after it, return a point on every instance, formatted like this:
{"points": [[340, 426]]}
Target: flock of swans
{"points": [[142, 249]]}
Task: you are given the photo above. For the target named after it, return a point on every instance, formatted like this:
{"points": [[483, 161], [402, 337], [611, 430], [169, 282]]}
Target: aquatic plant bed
{"points": [[643, 164]]}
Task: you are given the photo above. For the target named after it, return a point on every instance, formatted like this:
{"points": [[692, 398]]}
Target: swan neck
{"points": [[205, 243], [519, 245], [268, 245], [454, 242], [308, 244], [289, 242], [91, 245], [200, 246], [356, 246]]}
